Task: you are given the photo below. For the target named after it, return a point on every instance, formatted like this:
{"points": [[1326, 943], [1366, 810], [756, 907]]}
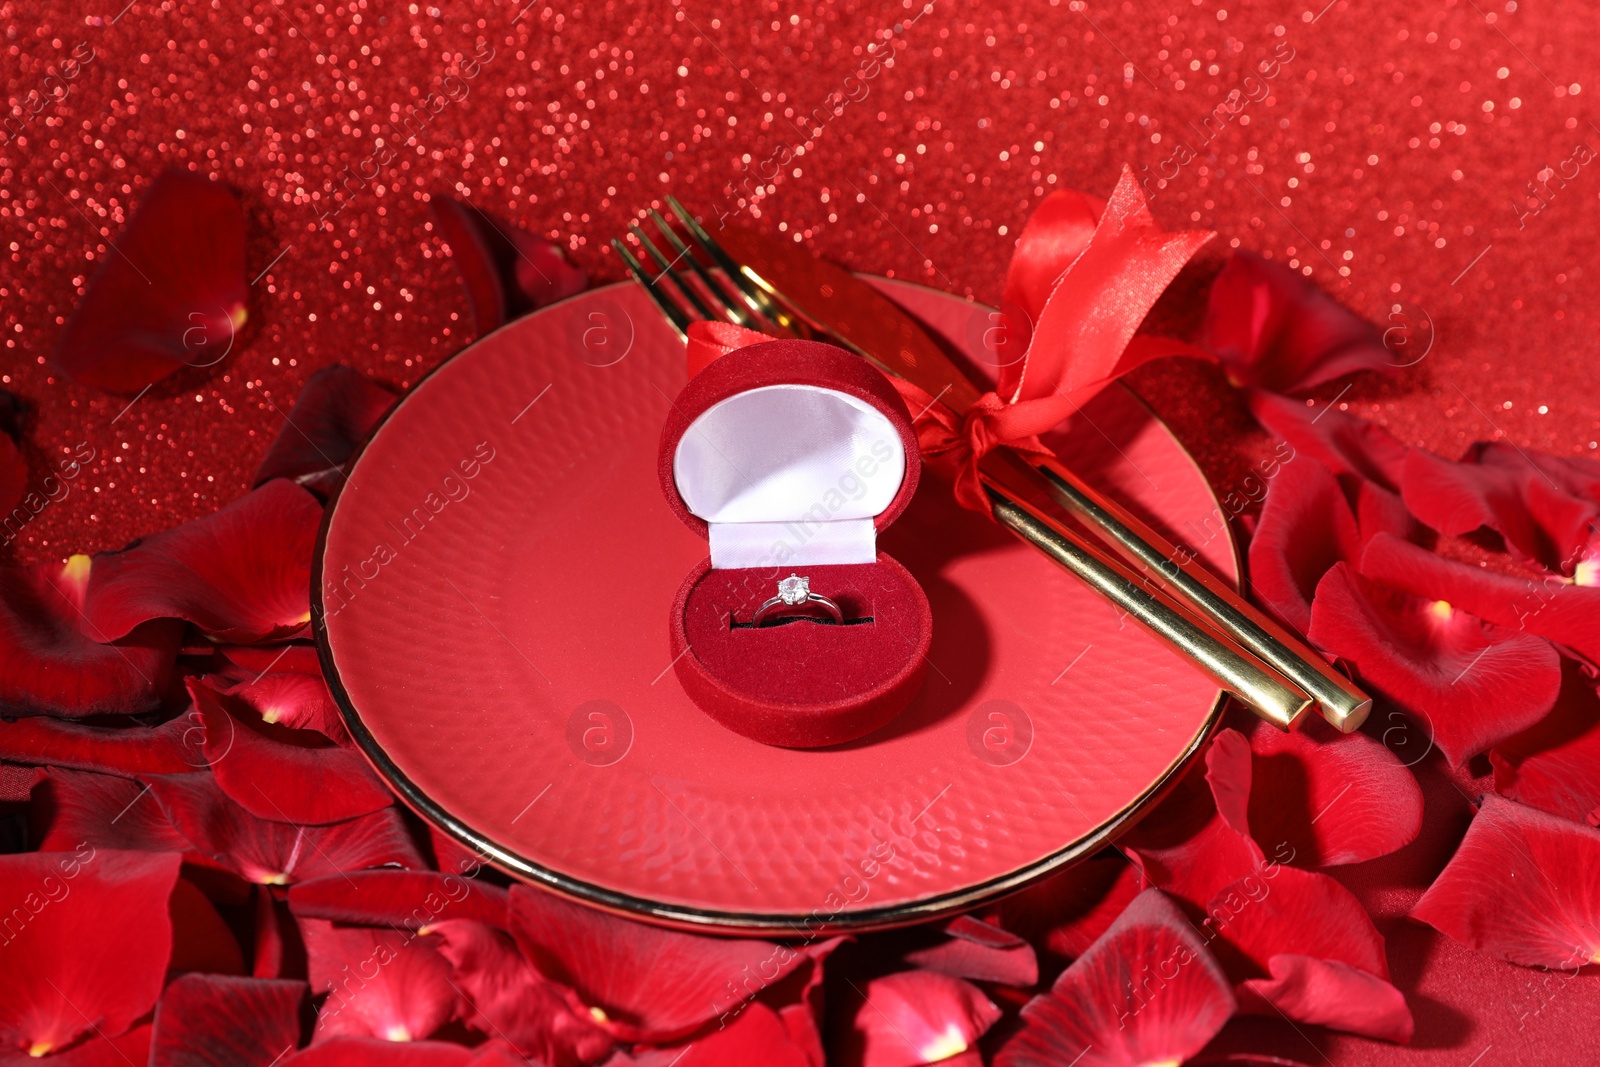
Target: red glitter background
{"points": [[1390, 160]]}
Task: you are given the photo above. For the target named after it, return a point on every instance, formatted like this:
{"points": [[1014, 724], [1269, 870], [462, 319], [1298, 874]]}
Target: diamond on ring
{"points": [[794, 590]]}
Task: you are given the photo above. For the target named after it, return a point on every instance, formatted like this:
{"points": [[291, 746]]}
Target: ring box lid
{"points": [[789, 452]]}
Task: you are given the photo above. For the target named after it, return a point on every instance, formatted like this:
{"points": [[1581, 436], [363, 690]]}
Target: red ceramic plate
{"points": [[494, 582]]}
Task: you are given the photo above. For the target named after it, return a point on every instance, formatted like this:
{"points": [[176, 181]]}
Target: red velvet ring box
{"points": [[789, 457]]}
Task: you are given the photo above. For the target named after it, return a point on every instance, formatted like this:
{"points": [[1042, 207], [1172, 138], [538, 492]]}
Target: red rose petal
{"points": [[292, 699], [910, 1018], [1576, 475], [278, 853], [17, 782], [1306, 527], [169, 293], [14, 412], [411, 899], [1549, 606], [54, 662], [1285, 909], [652, 984], [497, 1053], [1329, 993], [1380, 511], [542, 273], [451, 855], [474, 260], [1342, 442], [1068, 912], [131, 1047], [373, 1052], [201, 939], [13, 479], [243, 662], [1555, 765], [274, 927], [1523, 886], [1331, 798], [105, 811], [1272, 328], [1473, 684], [389, 984], [1229, 774], [1273, 922], [336, 409], [799, 998], [240, 574], [204, 1020], [505, 997], [507, 271], [757, 1036], [1540, 520], [86, 943], [14, 468], [969, 948], [1186, 847], [283, 683], [275, 772], [171, 748], [1146, 993]]}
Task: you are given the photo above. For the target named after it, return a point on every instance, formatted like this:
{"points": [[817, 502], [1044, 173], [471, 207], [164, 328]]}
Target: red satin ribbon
{"points": [[710, 341], [1082, 279]]}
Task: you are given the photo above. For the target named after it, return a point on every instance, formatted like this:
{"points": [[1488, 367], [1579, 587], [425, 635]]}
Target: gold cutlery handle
{"points": [[1342, 704], [1232, 668]]}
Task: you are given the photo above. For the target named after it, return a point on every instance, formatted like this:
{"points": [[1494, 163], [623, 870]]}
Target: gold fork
{"points": [[726, 291]]}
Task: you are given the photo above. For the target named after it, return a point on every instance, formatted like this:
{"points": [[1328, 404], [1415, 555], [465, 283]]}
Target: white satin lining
{"points": [[790, 475]]}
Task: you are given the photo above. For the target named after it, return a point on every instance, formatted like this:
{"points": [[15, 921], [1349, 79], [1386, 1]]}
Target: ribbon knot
{"points": [[1083, 276], [958, 443]]}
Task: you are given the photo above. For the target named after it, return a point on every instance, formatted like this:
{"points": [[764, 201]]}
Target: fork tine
{"points": [[758, 298], [666, 266], [680, 321], [732, 303]]}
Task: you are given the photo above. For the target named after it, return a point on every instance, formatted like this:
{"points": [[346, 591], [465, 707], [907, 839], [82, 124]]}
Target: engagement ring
{"points": [[794, 595]]}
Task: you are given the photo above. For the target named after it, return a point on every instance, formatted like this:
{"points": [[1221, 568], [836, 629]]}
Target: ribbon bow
{"points": [[1084, 275]]}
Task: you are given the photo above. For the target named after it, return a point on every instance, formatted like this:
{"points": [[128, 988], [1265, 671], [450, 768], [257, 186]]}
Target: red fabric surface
{"points": [[1396, 158]]}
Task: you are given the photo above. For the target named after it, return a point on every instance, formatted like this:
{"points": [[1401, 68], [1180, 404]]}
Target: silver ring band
{"points": [[795, 595]]}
